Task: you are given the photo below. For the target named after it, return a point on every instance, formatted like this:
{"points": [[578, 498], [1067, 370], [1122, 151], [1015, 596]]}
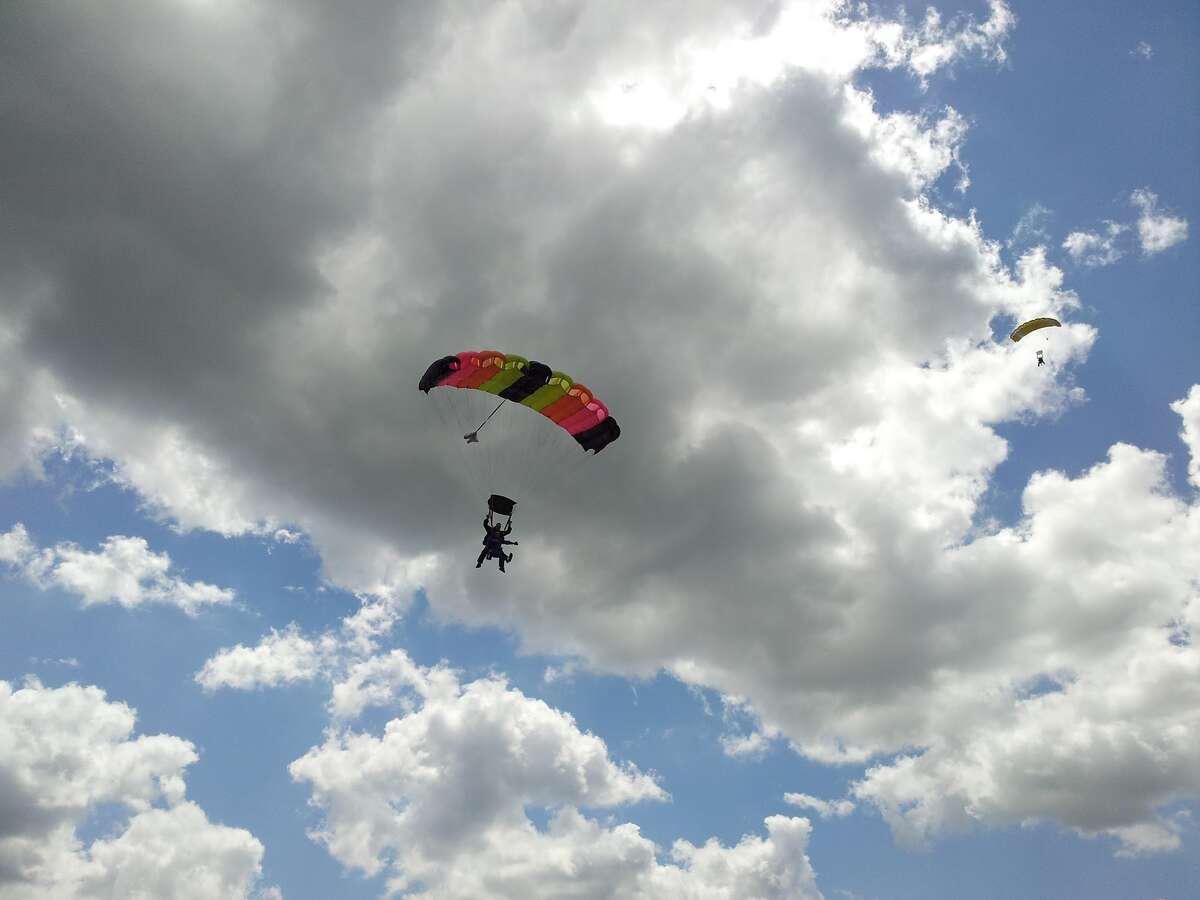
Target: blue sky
{"points": [[852, 544]]}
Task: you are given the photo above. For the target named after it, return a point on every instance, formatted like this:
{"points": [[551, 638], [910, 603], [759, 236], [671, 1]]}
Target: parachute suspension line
{"points": [[449, 401], [447, 405], [479, 459], [532, 461], [473, 437], [564, 462]]}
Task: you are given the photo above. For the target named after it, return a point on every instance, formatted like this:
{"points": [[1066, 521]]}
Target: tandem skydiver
{"points": [[494, 541]]}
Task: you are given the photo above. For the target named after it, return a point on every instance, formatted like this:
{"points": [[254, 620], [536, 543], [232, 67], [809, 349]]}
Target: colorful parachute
{"points": [[1033, 325], [555, 395]]}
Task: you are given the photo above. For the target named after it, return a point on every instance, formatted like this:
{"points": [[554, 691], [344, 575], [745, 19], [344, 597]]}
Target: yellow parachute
{"points": [[1033, 325]]}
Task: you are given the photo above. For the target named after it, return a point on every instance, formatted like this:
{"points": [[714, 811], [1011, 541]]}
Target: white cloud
{"points": [[1156, 230], [1107, 562], [1105, 751], [1144, 50], [917, 147], [1030, 229], [1096, 248], [830, 38], [823, 808], [69, 661], [282, 657], [745, 746], [124, 571], [174, 474], [177, 853], [938, 46], [383, 680], [565, 672], [63, 752], [1188, 410], [438, 801]]}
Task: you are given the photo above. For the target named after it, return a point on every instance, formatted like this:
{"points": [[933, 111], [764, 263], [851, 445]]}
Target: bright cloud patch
{"points": [[1100, 756], [1189, 411], [829, 38], [438, 801], [1156, 230], [282, 657], [124, 571], [1108, 597], [65, 751], [938, 46], [823, 808], [1095, 248]]}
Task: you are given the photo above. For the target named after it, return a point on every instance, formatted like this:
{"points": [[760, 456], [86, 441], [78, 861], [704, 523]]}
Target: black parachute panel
{"points": [[438, 371], [536, 375], [599, 436]]}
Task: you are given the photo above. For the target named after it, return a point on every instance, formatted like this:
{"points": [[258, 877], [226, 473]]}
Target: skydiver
{"points": [[494, 541], [1041, 362]]}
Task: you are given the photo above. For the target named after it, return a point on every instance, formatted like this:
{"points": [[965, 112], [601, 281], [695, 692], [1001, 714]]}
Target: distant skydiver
{"points": [[1034, 325], [494, 541]]}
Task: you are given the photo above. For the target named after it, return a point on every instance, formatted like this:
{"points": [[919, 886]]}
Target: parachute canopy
{"points": [[557, 396], [1033, 325]]}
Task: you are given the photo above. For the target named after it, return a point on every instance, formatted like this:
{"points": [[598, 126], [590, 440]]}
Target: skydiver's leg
{"points": [[482, 556], [501, 558]]}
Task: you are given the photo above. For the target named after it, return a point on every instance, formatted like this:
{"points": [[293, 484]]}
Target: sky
{"points": [[864, 604]]}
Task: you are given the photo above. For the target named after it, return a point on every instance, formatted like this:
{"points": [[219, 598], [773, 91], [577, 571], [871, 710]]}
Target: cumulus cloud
{"points": [[1188, 410], [124, 571], [745, 746], [1156, 230], [1114, 741], [1101, 755], [63, 752], [438, 802], [1143, 50], [384, 680], [1093, 248], [758, 44], [823, 808], [282, 657]]}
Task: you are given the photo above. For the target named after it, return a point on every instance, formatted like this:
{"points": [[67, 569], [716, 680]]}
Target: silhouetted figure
{"points": [[1041, 362], [494, 541]]}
